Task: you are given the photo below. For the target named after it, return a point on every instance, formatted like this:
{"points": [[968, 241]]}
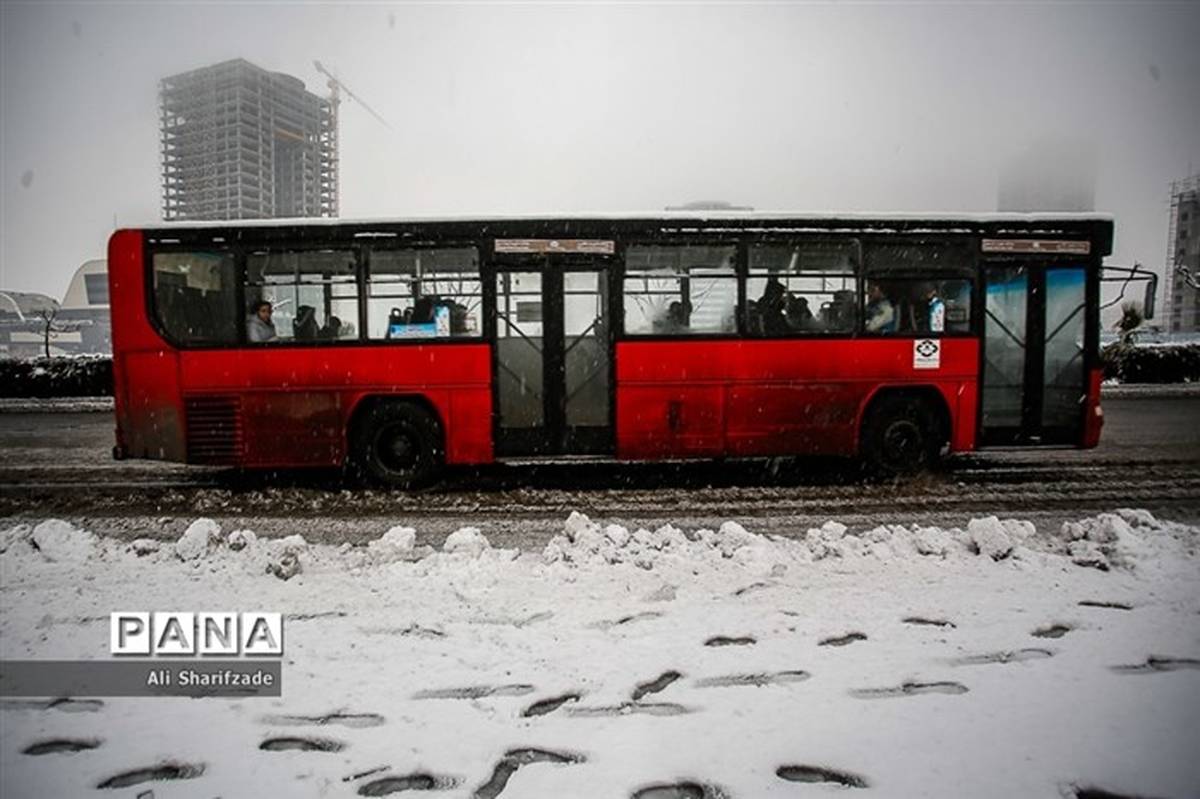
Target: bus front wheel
{"points": [[900, 437], [398, 444]]}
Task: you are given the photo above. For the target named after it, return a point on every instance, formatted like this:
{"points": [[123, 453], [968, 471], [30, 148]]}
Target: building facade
{"points": [[1183, 258], [241, 142]]}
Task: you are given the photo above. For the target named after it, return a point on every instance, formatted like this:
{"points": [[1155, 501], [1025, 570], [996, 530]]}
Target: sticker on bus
{"points": [[927, 353], [593, 246]]}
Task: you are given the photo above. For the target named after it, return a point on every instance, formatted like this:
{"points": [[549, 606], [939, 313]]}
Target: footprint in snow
{"points": [[286, 744], [1015, 656], [56, 745], [170, 770], [1156, 663], [475, 691], [724, 640], [545, 706], [843, 640], [633, 617], [656, 685], [630, 709], [63, 704], [354, 720], [1095, 603], [518, 758], [921, 621], [910, 689], [385, 786], [820, 774], [756, 680], [679, 790], [1052, 631]]}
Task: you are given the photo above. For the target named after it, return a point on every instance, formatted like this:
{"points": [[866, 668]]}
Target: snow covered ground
{"points": [[994, 660]]}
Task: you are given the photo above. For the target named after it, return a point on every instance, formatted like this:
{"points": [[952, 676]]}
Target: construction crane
{"points": [[336, 88]]}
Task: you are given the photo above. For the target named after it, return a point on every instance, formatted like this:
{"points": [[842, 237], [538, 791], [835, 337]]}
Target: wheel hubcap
{"points": [[398, 449], [903, 444]]}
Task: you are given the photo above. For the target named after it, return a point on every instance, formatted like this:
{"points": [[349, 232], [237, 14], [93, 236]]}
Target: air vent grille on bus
{"points": [[214, 430]]}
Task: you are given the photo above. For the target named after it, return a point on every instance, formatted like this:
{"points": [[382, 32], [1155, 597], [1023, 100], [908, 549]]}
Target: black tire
{"points": [[901, 436], [398, 444]]}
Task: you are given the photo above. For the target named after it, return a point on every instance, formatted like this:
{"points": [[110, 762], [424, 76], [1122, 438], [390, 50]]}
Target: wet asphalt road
{"points": [[59, 465]]}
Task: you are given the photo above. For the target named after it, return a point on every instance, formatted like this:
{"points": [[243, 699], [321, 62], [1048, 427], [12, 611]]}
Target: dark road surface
{"points": [[59, 465]]}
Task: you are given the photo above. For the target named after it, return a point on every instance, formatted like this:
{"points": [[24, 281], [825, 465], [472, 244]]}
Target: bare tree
{"points": [[51, 324]]}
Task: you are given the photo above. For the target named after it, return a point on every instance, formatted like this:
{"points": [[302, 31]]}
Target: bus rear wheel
{"points": [[900, 437], [398, 444]]}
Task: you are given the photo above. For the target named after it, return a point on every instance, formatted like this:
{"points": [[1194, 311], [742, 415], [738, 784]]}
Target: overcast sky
{"points": [[498, 108]]}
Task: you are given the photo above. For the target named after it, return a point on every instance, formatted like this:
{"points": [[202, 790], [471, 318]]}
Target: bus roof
{"points": [[822, 217]]}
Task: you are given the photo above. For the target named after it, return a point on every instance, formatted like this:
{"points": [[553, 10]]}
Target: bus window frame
{"points": [[970, 272], [739, 265], [150, 296], [285, 245], [795, 240], [392, 244], [240, 242]]}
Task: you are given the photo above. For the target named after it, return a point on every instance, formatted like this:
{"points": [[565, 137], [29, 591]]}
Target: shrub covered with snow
{"points": [[1152, 363], [80, 376]]}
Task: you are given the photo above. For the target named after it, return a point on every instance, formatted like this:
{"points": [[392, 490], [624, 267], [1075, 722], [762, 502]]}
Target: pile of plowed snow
{"points": [[1124, 540]]}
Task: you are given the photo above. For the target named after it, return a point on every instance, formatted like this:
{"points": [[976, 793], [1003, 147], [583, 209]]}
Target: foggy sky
{"points": [[553, 108]]}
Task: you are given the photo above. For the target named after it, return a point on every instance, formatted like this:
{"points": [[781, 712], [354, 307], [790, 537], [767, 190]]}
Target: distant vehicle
{"points": [[403, 346]]}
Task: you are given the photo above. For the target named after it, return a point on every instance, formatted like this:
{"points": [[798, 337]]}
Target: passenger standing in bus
{"points": [[936, 308], [881, 314], [259, 326]]}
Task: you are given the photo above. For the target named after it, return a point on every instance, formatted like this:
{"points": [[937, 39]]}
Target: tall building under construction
{"points": [[1183, 257], [240, 142]]}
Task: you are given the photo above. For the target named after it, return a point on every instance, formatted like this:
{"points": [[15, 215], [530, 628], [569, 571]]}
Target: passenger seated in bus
{"points": [[675, 320], [799, 315], [459, 318], [880, 312], [332, 328], [771, 308], [935, 313], [423, 310], [304, 326], [259, 326]]}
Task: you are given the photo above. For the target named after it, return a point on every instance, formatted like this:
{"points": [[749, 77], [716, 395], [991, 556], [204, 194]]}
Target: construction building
{"points": [[1183, 257], [240, 142]]}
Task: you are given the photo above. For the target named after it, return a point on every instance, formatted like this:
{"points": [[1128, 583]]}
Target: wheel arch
{"points": [[365, 403], [927, 394]]}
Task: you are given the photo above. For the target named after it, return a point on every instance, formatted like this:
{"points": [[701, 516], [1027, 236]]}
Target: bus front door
{"points": [[1034, 354], [553, 373]]}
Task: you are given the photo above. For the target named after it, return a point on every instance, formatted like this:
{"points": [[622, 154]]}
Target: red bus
{"points": [[399, 347]]}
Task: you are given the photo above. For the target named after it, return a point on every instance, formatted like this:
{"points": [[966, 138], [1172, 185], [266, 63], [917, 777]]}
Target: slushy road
{"points": [[59, 465]]}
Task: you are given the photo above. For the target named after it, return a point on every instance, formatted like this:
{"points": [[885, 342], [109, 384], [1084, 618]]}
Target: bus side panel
{"points": [[149, 414], [964, 405], [155, 416], [671, 399], [776, 397], [297, 402]]}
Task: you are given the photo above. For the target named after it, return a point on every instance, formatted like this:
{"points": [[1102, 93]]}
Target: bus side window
{"points": [[679, 290], [918, 288], [418, 293], [313, 293], [195, 297], [803, 288]]}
